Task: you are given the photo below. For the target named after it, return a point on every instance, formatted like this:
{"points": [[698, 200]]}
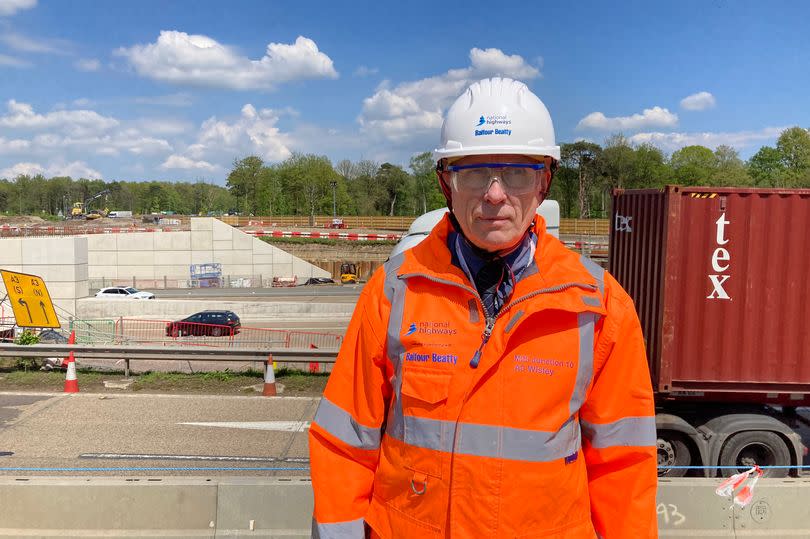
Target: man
{"points": [[491, 383]]}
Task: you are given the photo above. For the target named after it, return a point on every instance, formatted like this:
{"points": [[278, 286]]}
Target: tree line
{"points": [[307, 184]]}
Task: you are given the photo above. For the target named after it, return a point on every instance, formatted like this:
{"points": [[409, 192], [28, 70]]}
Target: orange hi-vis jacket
{"points": [[437, 422]]}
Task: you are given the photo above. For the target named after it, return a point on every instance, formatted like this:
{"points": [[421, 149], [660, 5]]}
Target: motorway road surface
{"points": [[310, 294], [117, 435], [55, 434]]}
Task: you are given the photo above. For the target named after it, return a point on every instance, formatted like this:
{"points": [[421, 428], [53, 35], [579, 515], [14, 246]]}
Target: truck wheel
{"points": [[760, 447], [673, 451]]}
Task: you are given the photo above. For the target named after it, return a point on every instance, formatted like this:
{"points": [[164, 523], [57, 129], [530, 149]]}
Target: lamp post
{"points": [[333, 184]]}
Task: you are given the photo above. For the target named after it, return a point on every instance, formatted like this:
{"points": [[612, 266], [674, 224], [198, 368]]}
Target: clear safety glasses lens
{"points": [[515, 178]]}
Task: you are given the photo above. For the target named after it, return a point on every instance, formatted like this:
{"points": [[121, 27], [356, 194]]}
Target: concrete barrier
{"points": [[282, 508], [690, 508], [155, 507], [91, 308]]}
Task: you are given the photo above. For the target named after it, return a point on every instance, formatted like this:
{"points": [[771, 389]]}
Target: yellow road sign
{"points": [[30, 300]]}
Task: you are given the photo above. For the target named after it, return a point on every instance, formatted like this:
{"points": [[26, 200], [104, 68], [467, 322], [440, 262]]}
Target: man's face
{"points": [[495, 219]]}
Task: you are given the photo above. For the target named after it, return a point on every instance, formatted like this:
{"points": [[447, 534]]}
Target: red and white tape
{"points": [[328, 235]]}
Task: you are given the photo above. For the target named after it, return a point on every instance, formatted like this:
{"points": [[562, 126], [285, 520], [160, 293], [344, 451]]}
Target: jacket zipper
{"points": [[490, 320]]}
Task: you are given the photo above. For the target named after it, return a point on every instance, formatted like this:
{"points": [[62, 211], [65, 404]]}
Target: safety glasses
{"points": [[515, 178]]}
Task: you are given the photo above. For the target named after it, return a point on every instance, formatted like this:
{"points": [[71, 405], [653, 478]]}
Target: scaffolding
{"points": [[207, 275]]}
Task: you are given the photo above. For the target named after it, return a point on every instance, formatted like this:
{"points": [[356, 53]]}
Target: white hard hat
{"points": [[497, 116]]}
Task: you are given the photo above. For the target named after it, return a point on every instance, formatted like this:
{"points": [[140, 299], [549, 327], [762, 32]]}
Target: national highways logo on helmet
{"points": [[494, 124], [497, 115]]}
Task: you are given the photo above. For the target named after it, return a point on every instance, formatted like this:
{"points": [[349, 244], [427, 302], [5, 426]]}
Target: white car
{"points": [[123, 292]]}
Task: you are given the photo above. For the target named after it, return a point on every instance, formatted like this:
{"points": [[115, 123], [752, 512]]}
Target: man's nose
{"points": [[495, 191]]}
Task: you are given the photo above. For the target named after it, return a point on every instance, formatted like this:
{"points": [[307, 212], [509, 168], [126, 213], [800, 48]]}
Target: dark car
{"points": [[319, 280], [206, 324]]}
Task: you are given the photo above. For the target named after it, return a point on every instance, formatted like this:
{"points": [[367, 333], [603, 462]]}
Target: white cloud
{"points": [[739, 139], [163, 126], [22, 169], [170, 100], [83, 102], [698, 101], [128, 140], [363, 71], [654, 117], [412, 109], [10, 7], [180, 58], [13, 145], [10, 61], [22, 116], [87, 64], [254, 132], [75, 169], [23, 43], [184, 163]]}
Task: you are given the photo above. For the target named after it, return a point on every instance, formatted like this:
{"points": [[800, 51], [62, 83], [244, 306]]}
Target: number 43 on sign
{"points": [[30, 300]]}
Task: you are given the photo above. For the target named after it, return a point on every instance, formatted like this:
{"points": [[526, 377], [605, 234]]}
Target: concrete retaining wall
{"points": [[229, 507], [67, 263], [61, 262], [148, 255]]}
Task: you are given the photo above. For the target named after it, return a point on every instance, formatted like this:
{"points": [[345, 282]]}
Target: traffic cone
{"points": [[71, 383], [269, 378], [314, 366]]}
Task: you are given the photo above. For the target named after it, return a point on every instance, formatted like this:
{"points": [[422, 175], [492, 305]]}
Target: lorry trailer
{"points": [[719, 280]]}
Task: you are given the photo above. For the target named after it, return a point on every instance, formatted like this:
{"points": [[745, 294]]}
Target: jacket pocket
{"points": [[427, 432], [425, 387]]}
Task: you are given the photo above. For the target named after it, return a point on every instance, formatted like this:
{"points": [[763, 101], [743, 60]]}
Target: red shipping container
{"points": [[720, 280]]}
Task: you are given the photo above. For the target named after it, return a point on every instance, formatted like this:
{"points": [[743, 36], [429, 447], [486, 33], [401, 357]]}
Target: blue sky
{"points": [[153, 90]]}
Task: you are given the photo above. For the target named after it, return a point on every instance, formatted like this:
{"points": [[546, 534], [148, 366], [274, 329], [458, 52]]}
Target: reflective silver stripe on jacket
{"points": [[628, 431], [340, 424], [596, 271], [586, 322], [492, 440], [354, 529], [395, 292]]}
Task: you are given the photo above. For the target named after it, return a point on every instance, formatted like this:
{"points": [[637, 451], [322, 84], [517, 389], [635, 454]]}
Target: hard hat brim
{"points": [[530, 151]]}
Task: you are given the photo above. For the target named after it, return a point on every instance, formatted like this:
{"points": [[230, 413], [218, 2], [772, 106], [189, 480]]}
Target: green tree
{"points": [[730, 171], [244, 182], [582, 156], [766, 167], [649, 168], [693, 165], [428, 194], [306, 179], [398, 189], [364, 189], [794, 145]]}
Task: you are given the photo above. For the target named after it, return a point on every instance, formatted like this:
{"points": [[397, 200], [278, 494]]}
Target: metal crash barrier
{"points": [[282, 507], [160, 353]]}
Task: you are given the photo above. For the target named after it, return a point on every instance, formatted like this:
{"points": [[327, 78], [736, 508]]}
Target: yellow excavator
{"points": [[80, 209], [348, 273]]}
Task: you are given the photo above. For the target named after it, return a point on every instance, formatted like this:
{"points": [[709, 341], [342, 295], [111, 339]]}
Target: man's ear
{"points": [[546, 183], [445, 188]]}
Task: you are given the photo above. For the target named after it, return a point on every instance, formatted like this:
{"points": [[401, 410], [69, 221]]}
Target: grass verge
{"points": [[14, 377]]}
